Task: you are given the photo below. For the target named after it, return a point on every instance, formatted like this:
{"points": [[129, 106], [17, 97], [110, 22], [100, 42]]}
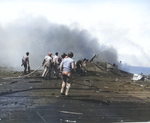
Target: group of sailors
{"points": [[56, 65]]}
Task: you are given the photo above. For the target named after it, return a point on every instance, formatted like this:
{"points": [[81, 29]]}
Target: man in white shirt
{"points": [[25, 63], [55, 64], [47, 65]]}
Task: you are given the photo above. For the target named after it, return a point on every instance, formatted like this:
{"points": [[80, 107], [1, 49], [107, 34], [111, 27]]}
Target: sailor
{"points": [[80, 66], [64, 55], [47, 65], [67, 66], [55, 64], [84, 63], [25, 63]]}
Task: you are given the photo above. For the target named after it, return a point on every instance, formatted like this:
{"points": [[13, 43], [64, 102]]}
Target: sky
{"points": [[116, 30]]}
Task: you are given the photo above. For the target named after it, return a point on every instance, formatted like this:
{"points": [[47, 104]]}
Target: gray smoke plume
{"points": [[38, 37]]}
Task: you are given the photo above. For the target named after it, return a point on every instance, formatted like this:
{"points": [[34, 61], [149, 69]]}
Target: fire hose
{"points": [[24, 75], [33, 71], [30, 74]]}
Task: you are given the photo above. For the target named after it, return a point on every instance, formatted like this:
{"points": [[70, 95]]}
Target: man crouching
{"points": [[66, 66]]}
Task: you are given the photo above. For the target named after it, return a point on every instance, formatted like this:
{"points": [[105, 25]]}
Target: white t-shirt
{"points": [[55, 59], [26, 59], [47, 61]]}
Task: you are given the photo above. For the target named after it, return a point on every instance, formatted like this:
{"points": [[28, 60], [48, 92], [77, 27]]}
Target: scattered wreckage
{"points": [[138, 77]]}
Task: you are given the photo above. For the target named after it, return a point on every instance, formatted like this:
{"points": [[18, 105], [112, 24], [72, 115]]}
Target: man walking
{"points": [[66, 66], [47, 65]]}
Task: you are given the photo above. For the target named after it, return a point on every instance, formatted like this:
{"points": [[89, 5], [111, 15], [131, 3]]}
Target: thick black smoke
{"points": [[38, 36]]}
